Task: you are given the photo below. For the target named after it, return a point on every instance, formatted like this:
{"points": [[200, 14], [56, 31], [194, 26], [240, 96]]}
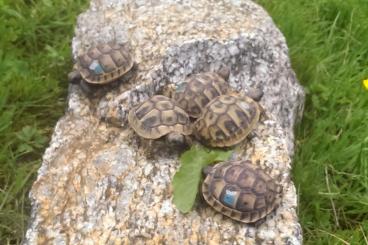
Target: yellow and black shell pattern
{"points": [[227, 120], [104, 63], [157, 117], [241, 191], [198, 90]]}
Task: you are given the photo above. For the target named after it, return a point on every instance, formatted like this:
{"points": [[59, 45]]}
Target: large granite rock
{"points": [[96, 184]]}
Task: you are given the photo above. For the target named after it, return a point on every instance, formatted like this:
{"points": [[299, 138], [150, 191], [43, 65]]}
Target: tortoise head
{"points": [[207, 170], [224, 72], [74, 77], [168, 91]]}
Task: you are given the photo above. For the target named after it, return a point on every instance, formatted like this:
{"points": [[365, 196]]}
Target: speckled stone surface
{"points": [[97, 184]]}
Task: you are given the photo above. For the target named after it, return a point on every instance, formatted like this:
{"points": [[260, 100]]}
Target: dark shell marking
{"points": [[241, 191], [104, 63], [227, 120], [157, 117], [198, 90]]}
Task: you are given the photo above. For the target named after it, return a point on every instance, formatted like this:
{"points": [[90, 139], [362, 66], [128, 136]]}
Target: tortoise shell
{"points": [[227, 120], [241, 191], [198, 90], [157, 117], [104, 63]]}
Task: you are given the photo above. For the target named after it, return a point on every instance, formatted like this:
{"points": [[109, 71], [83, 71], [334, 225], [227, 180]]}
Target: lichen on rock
{"points": [[96, 184]]}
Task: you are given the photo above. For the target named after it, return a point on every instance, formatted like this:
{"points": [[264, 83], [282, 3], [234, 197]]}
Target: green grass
{"points": [[328, 42], [35, 57]]}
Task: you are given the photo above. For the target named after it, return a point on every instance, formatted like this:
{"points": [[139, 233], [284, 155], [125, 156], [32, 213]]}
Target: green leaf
{"points": [[188, 177]]}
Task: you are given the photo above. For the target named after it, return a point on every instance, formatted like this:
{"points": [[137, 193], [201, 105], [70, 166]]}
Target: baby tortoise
{"points": [[199, 89], [101, 64], [157, 117], [227, 120], [241, 191]]}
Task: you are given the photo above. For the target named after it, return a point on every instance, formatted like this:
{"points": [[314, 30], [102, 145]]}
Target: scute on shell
{"points": [[157, 117], [198, 90], [104, 63], [227, 120], [241, 191]]}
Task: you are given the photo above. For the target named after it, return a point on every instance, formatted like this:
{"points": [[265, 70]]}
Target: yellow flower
{"points": [[365, 83]]}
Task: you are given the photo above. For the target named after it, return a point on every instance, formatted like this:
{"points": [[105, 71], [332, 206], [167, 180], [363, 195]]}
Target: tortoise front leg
{"points": [[86, 88], [74, 77]]}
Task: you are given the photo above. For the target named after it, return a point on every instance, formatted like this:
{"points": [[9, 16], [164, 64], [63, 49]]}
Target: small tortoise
{"points": [[101, 64], [157, 117], [227, 120], [241, 191], [199, 89]]}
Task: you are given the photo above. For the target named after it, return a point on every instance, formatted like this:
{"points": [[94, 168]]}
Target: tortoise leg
{"points": [[188, 140], [252, 135], [178, 139], [86, 88], [263, 115], [259, 222], [149, 149], [145, 147], [174, 139], [129, 76], [264, 219], [74, 77]]}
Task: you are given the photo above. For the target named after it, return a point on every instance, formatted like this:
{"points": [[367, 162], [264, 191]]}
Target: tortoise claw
{"points": [[86, 88]]}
